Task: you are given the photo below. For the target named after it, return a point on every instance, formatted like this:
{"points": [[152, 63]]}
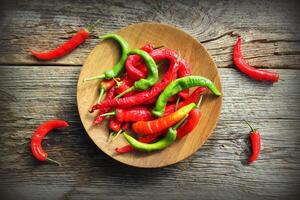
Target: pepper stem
{"points": [[252, 129], [108, 114], [118, 133], [125, 92], [180, 122], [53, 161], [118, 83], [92, 25], [158, 47], [199, 101], [109, 136], [100, 95], [94, 78], [177, 102]]}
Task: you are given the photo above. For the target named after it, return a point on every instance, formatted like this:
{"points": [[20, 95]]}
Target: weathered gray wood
{"points": [[34, 94], [270, 27]]}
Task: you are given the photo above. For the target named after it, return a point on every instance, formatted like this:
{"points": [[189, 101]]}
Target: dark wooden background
{"points": [[32, 92]]}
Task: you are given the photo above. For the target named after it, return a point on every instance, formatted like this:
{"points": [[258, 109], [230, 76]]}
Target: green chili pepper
{"points": [[168, 139], [178, 85], [115, 71], [152, 77]]}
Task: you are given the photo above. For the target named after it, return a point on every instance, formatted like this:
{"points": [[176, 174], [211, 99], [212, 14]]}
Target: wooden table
{"points": [[33, 92]]}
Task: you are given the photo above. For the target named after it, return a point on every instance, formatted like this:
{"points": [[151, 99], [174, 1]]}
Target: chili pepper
{"points": [[160, 124], [115, 71], [255, 143], [246, 68], [66, 47], [152, 77], [133, 114], [110, 95], [192, 99], [114, 124], [104, 87], [184, 70], [179, 85], [141, 97], [125, 83], [39, 134], [125, 127], [134, 67], [158, 54], [168, 139], [129, 148], [191, 121]]}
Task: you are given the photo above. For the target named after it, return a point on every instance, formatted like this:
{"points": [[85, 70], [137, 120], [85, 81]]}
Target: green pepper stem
{"points": [[92, 25], [125, 92], [177, 102], [94, 78], [100, 95], [109, 136], [252, 129], [118, 83], [118, 133], [53, 161], [180, 122], [108, 114], [199, 101]]}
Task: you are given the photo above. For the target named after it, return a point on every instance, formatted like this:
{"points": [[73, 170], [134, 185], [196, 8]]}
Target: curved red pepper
{"points": [[39, 134], [243, 66]]}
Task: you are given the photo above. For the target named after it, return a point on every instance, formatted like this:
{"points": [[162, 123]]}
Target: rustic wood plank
{"points": [[30, 95], [271, 28]]}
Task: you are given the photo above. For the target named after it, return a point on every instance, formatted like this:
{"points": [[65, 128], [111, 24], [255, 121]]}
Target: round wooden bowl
{"points": [[107, 53]]}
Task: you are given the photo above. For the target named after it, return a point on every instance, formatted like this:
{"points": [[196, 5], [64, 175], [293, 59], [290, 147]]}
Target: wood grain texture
{"points": [[35, 94], [107, 54], [270, 27]]}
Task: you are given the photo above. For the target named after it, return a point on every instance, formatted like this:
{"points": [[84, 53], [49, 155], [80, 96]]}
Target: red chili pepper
{"points": [[133, 114], [105, 85], [141, 97], [157, 55], [192, 99], [125, 126], [190, 124], [110, 95], [125, 83], [39, 134], [243, 66], [255, 143], [67, 47], [114, 124], [184, 70], [134, 66]]}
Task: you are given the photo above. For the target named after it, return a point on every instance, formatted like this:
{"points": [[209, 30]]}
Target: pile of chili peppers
{"points": [[150, 113], [134, 100]]}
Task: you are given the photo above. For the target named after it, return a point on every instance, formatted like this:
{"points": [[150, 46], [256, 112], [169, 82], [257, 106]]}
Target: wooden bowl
{"points": [[107, 53]]}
